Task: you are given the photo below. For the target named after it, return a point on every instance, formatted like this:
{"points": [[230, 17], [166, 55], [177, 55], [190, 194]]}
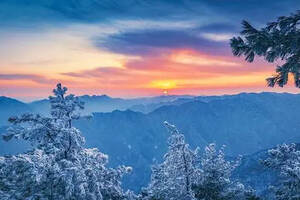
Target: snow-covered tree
{"points": [[59, 167], [215, 182], [64, 107], [278, 40], [173, 179], [285, 159]]}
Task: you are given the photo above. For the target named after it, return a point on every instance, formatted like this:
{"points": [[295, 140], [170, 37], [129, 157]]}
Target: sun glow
{"points": [[163, 84]]}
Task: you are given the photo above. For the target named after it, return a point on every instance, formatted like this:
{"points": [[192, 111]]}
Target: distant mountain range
{"points": [[246, 123], [95, 103]]}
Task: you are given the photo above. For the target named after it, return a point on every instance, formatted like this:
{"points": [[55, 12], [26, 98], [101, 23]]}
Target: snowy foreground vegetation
{"points": [[59, 167]]}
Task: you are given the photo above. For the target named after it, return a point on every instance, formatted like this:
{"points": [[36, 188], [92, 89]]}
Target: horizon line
{"points": [[23, 100]]}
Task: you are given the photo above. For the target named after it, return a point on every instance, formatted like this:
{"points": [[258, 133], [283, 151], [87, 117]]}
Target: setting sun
{"points": [[164, 84]]}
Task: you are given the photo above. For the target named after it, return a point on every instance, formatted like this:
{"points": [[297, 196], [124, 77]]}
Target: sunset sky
{"points": [[131, 48]]}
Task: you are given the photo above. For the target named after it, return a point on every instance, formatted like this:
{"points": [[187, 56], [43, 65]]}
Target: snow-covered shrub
{"points": [[173, 179], [215, 179], [285, 159]]}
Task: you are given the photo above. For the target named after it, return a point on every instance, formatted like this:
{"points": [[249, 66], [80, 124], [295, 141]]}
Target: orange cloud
{"points": [[195, 58]]}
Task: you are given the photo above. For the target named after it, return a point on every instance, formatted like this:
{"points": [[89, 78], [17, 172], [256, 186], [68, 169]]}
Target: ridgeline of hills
{"points": [[94, 103], [131, 131]]}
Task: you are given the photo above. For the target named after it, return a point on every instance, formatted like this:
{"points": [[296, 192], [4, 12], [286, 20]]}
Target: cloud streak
{"points": [[31, 77], [151, 42]]}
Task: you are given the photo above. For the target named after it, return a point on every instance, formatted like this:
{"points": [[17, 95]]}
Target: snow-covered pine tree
{"points": [[215, 182], [173, 179], [58, 167], [285, 159], [278, 40]]}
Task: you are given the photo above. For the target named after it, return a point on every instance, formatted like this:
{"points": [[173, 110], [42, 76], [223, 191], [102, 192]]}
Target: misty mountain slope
{"points": [[40, 106], [254, 117], [147, 108], [10, 107]]}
